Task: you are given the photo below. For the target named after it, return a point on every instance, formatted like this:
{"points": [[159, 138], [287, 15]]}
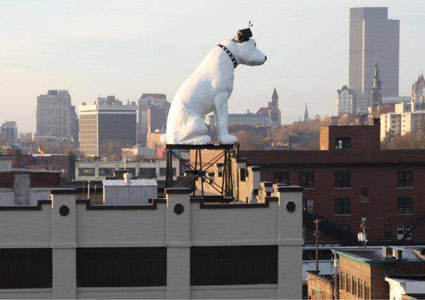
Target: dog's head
{"points": [[248, 53], [245, 49]]}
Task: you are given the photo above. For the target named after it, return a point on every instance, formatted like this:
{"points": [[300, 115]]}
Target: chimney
{"points": [[127, 178], [398, 254], [21, 189], [387, 252]]}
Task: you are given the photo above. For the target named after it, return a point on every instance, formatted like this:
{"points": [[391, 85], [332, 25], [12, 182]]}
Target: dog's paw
{"points": [[227, 139]]}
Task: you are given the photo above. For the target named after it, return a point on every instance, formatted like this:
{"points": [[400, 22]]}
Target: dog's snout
{"points": [[265, 57]]}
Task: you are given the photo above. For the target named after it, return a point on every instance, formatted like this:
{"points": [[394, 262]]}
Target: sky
{"points": [[128, 47]]}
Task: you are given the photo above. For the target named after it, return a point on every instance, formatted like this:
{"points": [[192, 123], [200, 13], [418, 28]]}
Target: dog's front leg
{"points": [[221, 113]]}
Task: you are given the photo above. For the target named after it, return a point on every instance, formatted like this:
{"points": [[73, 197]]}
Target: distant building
{"points": [[272, 110], [366, 273], [10, 131], [55, 115], [142, 169], [373, 35], [153, 112], [408, 117], [6, 162], [249, 120], [408, 287], [306, 117], [106, 121], [346, 101], [376, 93]]}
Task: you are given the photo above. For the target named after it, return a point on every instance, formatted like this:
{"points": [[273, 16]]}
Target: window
{"points": [[306, 179], [404, 206], [345, 227], [233, 265], [404, 179], [281, 177], [364, 195], [121, 267], [342, 179], [354, 284], [147, 172], [388, 232], [86, 171], [163, 171], [360, 295], [404, 229], [348, 284], [25, 268], [366, 290], [342, 206], [308, 205], [343, 143], [243, 174], [342, 281], [106, 171]]}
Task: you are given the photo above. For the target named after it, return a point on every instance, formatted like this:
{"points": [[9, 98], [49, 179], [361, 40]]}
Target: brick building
{"points": [[52, 162], [350, 178], [362, 272]]}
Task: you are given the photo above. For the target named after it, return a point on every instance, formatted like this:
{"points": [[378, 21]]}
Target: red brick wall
{"points": [[37, 179]]}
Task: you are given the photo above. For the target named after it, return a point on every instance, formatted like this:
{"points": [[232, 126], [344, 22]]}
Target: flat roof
{"points": [[374, 255], [133, 182]]}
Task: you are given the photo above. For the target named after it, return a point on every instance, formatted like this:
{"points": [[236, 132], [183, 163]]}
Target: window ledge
{"points": [[405, 187], [343, 188], [411, 214], [342, 215]]}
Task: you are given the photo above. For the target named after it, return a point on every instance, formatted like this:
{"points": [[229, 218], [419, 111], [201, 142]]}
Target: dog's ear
{"points": [[243, 35]]}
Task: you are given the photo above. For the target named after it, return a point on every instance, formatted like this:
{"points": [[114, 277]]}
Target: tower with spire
{"points": [[376, 92], [273, 107], [418, 94], [306, 118]]}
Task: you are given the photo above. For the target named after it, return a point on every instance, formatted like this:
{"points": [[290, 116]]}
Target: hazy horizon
{"points": [[127, 47]]}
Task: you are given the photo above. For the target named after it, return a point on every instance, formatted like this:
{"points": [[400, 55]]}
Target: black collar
{"points": [[235, 63]]}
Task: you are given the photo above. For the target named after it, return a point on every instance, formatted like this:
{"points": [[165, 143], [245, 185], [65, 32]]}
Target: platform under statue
{"points": [[208, 90]]}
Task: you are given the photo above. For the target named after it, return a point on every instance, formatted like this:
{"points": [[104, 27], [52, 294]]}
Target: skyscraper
{"points": [[153, 112], [373, 35], [55, 114], [104, 122], [10, 131]]}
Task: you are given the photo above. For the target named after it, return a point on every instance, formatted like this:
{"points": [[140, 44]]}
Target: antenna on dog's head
{"points": [[243, 35]]}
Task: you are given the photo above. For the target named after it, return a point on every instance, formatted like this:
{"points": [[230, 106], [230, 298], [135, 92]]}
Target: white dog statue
{"points": [[208, 89]]}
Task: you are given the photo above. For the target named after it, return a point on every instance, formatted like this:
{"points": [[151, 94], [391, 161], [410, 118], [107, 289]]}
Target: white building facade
{"points": [[346, 101], [177, 247], [101, 170]]}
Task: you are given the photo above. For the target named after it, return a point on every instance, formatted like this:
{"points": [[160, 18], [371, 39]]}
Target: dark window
{"points": [[25, 268], [308, 205], [342, 179], [345, 227], [364, 195], [404, 230], [306, 179], [388, 232], [342, 206], [404, 206], [404, 179], [343, 143], [281, 177], [86, 171], [106, 171], [147, 172], [233, 265], [162, 171], [121, 267], [243, 174]]}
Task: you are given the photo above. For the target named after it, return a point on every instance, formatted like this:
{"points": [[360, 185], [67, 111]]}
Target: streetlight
{"points": [[362, 235]]}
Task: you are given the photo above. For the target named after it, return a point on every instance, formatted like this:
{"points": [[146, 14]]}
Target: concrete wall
{"points": [[156, 224]]}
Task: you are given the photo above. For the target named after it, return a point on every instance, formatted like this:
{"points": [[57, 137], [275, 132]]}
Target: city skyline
{"points": [[124, 49]]}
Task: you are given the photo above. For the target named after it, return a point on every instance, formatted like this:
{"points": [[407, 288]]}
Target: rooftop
{"points": [[374, 255]]}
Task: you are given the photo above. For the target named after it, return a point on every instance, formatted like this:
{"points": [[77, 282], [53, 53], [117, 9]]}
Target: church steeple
{"points": [[376, 84], [275, 97], [306, 118], [376, 93]]}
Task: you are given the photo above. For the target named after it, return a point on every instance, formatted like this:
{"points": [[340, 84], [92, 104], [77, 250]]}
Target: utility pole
{"points": [[336, 296], [316, 234]]}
